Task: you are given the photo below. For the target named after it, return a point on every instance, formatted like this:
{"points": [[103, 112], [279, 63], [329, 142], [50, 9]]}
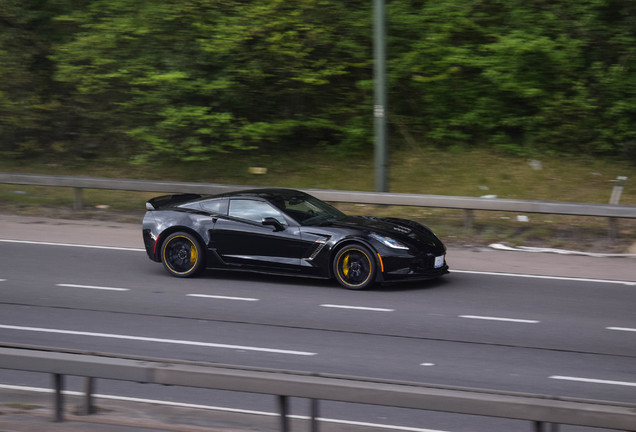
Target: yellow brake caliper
{"points": [[193, 254], [345, 266]]}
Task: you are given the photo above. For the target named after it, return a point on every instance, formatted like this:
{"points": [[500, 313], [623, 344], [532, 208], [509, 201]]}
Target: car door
{"points": [[242, 239]]}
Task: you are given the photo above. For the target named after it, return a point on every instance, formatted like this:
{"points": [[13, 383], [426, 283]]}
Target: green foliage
{"points": [[187, 80], [522, 76], [143, 80], [29, 106]]}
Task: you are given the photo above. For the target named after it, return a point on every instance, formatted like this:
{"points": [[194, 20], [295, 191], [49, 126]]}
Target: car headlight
{"points": [[388, 241]]}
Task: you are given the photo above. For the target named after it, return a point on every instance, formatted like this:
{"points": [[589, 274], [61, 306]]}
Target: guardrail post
{"points": [[539, 427], [612, 230], [615, 198], [77, 202], [58, 402], [89, 387], [314, 415], [469, 218], [283, 409]]}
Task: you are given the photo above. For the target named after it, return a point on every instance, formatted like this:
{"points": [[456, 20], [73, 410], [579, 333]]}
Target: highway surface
{"points": [[562, 326]]}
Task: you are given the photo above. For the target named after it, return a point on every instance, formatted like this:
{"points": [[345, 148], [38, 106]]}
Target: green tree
{"points": [[31, 109], [189, 79], [524, 76]]}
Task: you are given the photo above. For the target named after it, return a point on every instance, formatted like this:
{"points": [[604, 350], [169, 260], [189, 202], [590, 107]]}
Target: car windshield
{"points": [[308, 211]]}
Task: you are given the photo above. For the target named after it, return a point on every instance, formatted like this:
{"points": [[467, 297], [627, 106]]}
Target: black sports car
{"points": [[287, 231]]}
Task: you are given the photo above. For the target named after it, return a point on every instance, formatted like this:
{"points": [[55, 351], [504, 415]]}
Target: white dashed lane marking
{"points": [[103, 288], [516, 320], [363, 308], [218, 297], [625, 329]]}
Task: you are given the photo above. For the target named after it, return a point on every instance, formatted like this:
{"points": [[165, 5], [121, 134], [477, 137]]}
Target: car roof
{"points": [[266, 193]]}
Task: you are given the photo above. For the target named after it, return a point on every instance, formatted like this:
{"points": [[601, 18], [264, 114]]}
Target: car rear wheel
{"points": [[182, 255], [354, 267]]}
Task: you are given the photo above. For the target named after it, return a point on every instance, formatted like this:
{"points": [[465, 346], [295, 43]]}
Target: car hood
{"points": [[406, 231]]}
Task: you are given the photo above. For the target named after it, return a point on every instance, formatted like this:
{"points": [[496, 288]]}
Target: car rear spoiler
{"points": [[169, 200]]}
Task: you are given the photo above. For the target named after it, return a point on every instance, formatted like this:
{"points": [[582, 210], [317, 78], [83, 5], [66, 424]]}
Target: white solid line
{"points": [[500, 319], [499, 246], [222, 297], [594, 381], [217, 408], [619, 282], [149, 339], [92, 287], [357, 308], [626, 329], [373, 425], [73, 245]]}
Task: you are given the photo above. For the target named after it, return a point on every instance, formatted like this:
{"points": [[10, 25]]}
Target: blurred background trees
{"points": [[183, 80]]}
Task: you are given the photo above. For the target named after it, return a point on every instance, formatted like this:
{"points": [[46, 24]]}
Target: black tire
{"points": [[354, 267], [182, 255]]}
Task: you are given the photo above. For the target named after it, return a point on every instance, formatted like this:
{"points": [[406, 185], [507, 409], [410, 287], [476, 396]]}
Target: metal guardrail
{"points": [[469, 204], [539, 409]]}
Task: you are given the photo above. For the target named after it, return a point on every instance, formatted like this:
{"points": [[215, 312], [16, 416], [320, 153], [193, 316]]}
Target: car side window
{"points": [[254, 211], [213, 206]]}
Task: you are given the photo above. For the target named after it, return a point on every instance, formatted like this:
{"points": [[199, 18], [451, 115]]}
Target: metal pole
{"points": [[314, 415], [58, 384], [380, 98], [77, 202], [469, 220], [614, 200], [617, 190], [89, 388], [283, 409]]}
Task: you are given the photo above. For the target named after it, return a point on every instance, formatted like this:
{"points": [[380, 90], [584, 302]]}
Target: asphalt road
{"points": [[537, 323]]}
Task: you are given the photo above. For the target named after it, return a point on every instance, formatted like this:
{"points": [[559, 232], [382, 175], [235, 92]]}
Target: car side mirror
{"points": [[270, 221]]}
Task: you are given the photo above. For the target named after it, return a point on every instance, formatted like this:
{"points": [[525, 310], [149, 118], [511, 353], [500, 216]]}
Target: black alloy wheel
{"points": [[354, 267], [182, 255]]}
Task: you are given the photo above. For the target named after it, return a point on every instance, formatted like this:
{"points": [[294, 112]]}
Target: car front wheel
{"points": [[354, 267], [182, 255]]}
